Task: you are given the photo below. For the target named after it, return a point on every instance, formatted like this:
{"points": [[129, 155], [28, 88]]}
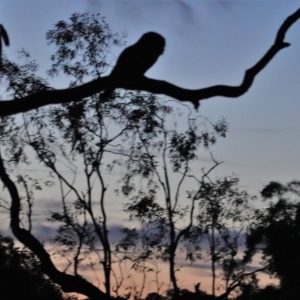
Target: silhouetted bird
{"points": [[135, 60]]}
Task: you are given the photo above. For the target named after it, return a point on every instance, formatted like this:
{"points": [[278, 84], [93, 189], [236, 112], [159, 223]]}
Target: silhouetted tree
{"points": [[79, 131], [64, 134], [158, 155], [275, 233], [222, 218], [21, 276]]}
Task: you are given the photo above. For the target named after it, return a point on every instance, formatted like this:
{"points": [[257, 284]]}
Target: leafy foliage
{"points": [[83, 43], [21, 275], [275, 232]]}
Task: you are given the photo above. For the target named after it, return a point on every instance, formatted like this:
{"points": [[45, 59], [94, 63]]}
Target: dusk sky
{"points": [[208, 43]]}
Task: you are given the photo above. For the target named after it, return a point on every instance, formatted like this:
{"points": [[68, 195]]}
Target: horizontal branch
{"points": [[43, 98], [68, 283]]}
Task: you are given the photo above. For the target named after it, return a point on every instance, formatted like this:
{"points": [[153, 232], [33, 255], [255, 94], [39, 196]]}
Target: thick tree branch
{"points": [[68, 283], [43, 98]]}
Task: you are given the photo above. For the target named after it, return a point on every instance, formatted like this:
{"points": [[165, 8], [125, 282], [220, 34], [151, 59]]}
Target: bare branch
{"points": [[237, 282], [46, 97]]}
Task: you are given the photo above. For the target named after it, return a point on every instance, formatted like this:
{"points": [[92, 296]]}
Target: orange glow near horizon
{"points": [[187, 278]]}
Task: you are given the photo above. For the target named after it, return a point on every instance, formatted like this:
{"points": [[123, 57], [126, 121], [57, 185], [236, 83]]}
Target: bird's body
{"points": [[135, 60]]}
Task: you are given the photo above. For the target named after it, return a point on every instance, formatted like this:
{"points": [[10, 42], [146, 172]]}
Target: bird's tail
{"points": [[4, 35]]}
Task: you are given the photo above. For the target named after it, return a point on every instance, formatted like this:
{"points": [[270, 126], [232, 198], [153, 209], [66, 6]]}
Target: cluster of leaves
{"points": [[21, 275], [83, 46], [275, 233]]}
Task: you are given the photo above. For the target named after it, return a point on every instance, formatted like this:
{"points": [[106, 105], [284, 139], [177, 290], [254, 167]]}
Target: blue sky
{"points": [[208, 43]]}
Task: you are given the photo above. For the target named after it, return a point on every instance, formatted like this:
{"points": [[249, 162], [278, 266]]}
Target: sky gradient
{"points": [[208, 43]]}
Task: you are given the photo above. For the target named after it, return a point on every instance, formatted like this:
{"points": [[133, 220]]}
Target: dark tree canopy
{"points": [[21, 276], [275, 233]]}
